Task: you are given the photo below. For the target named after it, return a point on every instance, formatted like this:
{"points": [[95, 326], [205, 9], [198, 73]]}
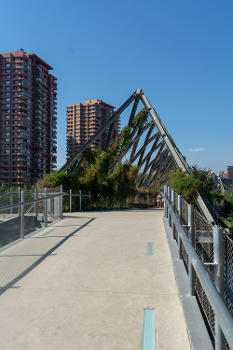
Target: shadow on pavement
{"points": [[43, 257]]}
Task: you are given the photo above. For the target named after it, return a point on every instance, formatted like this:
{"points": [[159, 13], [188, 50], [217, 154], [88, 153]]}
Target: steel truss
{"points": [[150, 147]]}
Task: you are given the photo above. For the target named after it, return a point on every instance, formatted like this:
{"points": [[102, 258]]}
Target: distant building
{"points": [[222, 174], [230, 172], [28, 94], [83, 120]]}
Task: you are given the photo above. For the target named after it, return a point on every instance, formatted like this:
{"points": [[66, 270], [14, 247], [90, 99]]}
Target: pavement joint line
{"points": [[148, 340], [101, 292], [150, 249], [49, 231]]}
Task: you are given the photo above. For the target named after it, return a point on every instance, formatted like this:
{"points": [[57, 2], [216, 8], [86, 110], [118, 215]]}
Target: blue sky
{"points": [[179, 52]]}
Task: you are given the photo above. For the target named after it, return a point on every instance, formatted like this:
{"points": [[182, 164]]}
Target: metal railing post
{"points": [[22, 214], [180, 219], [11, 200], [80, 199], [52, 207], [173, 207], [169, 199], [36, 203], [219, 278], [191, 238], [165, 204], [19, 198], [45, 207], [89, 200], [70, 201], [61, 203]]}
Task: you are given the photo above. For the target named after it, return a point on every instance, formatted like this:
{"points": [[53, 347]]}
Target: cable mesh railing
{"points": [[184, 221], [228, 276], [203, 232], [200, 234], [228, 272]]}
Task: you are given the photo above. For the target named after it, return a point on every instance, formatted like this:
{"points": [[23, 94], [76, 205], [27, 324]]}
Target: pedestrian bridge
{"points": [[97, 280], [126, 279]]}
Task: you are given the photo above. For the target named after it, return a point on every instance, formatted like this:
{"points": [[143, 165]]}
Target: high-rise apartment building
{"points": [[28, 94], [230, 172], [83, 120]]}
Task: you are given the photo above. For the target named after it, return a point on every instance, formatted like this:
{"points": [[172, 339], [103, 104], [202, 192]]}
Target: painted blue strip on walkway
{"points": [[148, 340], [150, 249]]}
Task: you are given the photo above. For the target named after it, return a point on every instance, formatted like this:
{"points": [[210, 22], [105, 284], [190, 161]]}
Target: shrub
{"points": [[190, 184]]}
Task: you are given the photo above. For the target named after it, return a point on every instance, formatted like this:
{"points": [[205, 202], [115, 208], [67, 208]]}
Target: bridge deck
{"points": [[85, 282]]}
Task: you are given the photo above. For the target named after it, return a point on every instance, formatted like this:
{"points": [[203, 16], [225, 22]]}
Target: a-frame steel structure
{"points": [[150, 147]]}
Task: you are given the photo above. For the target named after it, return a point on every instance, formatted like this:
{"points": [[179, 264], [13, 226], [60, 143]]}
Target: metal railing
{"points": [[80, 195], [24, 212], [26, 216], [201, 247]]}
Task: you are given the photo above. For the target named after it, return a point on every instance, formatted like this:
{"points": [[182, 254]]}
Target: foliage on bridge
{"points": [[201, 181], [111, 180]]}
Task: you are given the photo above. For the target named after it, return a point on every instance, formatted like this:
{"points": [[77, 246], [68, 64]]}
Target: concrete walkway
{"points": [[85, 282]]}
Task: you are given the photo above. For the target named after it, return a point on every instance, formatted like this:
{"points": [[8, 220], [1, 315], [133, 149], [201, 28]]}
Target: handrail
{"points": [[31, 201], [5, 194], [8, 206], [221, 312], [77, 194]]}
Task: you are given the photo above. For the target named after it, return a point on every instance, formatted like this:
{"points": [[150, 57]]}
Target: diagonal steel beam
{"points": [[132, 142], [137, 138], [146, 143], [150, 163], [179, 159], [101, 130], [134, 109], [206, 209], [155, 146], [142, 150], [109, 137], [158, 163], [164, 170], [154, 137]]}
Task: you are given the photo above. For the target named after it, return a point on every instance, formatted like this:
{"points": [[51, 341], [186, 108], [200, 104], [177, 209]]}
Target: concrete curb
{"points": [[11, 244]]}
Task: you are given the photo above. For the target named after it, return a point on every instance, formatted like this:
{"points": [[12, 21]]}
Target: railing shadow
{"points": [[41, 259]]}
